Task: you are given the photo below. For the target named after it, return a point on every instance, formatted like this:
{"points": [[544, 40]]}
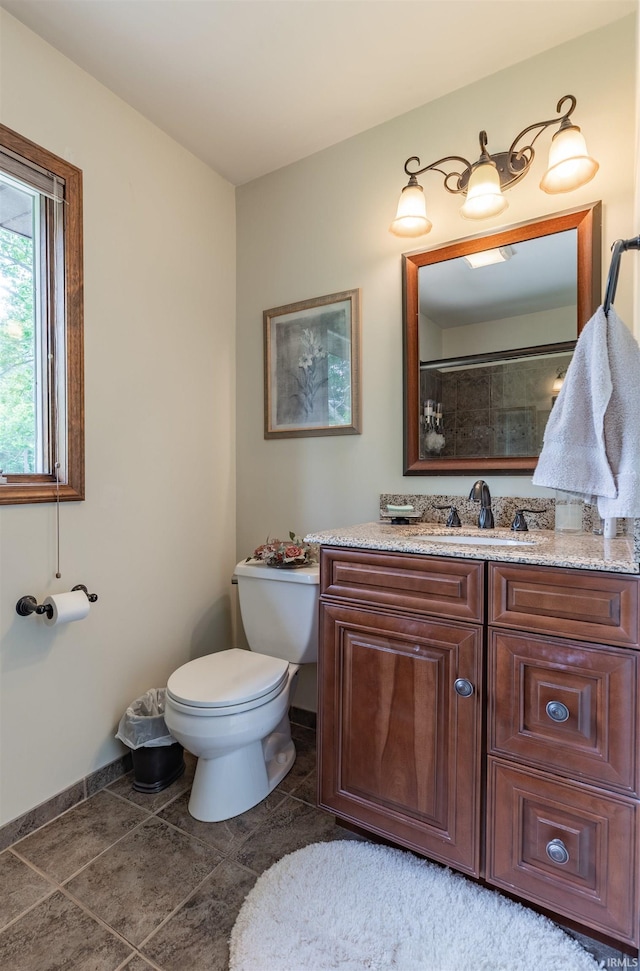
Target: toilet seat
{"points": [[227, 682]]}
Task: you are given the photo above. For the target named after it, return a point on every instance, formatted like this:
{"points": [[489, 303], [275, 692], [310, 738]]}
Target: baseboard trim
{"points": [[300, 716], [30, 821]]}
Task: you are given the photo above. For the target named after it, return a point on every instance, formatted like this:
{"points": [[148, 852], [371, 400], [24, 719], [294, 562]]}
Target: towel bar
{"points": [[619, 247]]}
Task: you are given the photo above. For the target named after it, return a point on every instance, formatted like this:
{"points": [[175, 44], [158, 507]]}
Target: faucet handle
{"points": [[453, 519], [519, 522]]}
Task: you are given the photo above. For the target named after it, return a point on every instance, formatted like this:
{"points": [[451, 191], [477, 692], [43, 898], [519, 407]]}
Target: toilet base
{"points": [[230, 784]]}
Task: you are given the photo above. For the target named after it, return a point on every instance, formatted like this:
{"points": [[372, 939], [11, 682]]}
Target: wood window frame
{"points": [[25, 488]]}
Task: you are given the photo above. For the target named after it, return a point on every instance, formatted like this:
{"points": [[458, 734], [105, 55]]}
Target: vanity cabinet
{"points": [[400, 675], [503, 742], [562, 767]]}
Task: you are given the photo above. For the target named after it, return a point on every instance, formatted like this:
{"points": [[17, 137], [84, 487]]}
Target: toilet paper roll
{"points": [[66, 607]]}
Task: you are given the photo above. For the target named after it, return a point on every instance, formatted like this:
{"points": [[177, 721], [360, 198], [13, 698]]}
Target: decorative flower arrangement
{"points": [[312, 376], [283, 554]]}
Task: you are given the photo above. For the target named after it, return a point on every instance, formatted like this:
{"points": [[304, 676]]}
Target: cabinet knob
{"points": [[557, 712], [557, 851], [463, 687]]}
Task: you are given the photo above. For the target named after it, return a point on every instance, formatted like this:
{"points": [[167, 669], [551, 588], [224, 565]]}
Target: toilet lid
{"points": [[226, 679]]}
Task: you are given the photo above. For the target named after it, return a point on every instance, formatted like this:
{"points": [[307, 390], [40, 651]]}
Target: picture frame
{"points": [[312, 367]]}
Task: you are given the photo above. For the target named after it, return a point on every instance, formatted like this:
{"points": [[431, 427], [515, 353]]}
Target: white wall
{"points": [[542, 327], [155, 537], [430, 337], [320, 226]]}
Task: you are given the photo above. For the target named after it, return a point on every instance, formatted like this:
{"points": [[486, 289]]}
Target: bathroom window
{"points": [[41, 324]]}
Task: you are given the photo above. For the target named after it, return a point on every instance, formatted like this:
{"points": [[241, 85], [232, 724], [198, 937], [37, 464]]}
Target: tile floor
{"points": [[131, 880], [128, 880]]}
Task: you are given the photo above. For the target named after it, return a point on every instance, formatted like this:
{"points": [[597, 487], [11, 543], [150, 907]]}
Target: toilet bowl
{"points": [[230, 709]]}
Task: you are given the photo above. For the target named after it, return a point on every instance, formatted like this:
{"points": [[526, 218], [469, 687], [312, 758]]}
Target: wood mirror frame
{"points": [[587, 221]]}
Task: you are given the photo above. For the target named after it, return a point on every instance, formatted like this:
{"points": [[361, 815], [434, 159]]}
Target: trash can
{"points": [[158, 760]]}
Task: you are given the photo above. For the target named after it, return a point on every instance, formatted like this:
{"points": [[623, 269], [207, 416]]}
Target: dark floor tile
{"points": [[226, 835], [305, 742], [304, 737], [138, 964], [609, 957], [196, 937], [291, 826], [29, 822], [20, 887], [307, 789], [65, 845], [57, 935], [136, 884], [153, 801]]}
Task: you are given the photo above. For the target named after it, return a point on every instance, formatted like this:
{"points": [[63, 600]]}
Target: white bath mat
{"points": [[353, 906]]}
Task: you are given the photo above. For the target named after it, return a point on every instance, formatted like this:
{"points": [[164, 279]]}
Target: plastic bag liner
{"points": [[143, 722]]}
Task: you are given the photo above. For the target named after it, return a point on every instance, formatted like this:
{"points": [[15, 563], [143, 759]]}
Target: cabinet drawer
{"points": [[600, 607], [565, 706], [450, 588], [567, 848]]}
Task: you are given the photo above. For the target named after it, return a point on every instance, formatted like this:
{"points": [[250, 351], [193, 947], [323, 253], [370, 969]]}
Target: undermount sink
{"points": [[473, 540]]}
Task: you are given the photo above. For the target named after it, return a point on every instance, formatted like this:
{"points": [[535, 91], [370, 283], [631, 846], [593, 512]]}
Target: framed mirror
{"points": [[490, 323]]}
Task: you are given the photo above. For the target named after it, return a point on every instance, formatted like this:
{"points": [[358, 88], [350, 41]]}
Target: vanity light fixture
{"points": [[556, 387], [483, 182]]}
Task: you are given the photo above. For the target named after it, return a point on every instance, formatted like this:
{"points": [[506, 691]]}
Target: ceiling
{"points": [[252, 85]]}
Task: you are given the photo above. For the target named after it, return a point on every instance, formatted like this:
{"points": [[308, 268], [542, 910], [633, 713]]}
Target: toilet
{"points": [[231, 709]]}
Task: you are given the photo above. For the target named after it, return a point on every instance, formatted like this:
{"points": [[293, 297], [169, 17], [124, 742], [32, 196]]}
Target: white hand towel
{"points": [[592, 439]]}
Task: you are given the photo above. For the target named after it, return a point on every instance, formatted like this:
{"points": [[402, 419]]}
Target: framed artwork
{"points": [[312, 367]]}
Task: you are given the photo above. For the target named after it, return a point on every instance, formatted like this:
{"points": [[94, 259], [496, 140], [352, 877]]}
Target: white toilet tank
{"points": [[280, 610]]}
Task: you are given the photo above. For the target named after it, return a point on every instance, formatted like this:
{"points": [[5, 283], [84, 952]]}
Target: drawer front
{"points": [[565, 706], [563, 847], [450, 588], [599, 607]]}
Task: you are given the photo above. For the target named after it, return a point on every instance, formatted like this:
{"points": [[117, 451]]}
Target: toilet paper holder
{"points": [[29, 605]]}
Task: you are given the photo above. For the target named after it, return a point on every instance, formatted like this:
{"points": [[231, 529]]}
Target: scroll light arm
{"points": [[512, 165]]}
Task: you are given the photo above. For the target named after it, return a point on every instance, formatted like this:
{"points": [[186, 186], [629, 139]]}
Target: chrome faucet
{"points": [[480, 493]]}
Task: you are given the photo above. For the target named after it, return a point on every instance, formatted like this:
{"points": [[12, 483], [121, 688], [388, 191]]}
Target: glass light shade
{"points": [[411, 217], [488, 257], [570, 165], [484, 195]]}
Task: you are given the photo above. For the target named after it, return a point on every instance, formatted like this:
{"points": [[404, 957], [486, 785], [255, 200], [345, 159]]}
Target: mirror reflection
{"points": [[490, 327], [498, 299], [500, 409]]}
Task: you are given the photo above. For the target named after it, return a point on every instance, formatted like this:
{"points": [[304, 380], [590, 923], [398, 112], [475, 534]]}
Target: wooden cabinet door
{"points": [[399, 747], [571, 849]]}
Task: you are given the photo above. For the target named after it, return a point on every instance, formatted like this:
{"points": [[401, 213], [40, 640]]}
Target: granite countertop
{"points": [[582, 551]]}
